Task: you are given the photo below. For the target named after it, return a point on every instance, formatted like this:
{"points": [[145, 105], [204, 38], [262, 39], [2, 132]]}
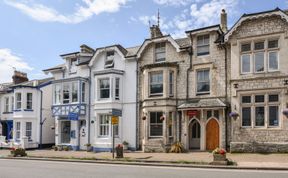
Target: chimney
{"points": [[223, 18], [19, 77], [155, 31]]}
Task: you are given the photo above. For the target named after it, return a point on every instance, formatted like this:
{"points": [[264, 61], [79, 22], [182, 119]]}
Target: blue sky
{"points": [[34, 33]]}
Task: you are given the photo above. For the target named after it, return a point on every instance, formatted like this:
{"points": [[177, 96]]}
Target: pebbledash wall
{"points": [[249, 134]]}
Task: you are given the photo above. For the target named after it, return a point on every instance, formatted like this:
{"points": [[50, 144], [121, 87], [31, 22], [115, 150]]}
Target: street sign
{"points": [[73, 116], [116, 112], [114, 120]]}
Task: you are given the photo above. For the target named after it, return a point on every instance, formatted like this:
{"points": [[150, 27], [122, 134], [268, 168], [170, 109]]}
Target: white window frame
{"points": [[104, 125], [7, 105], [109, 60], [83, 92], [29, 101], [250, 61], [264, 62], [160, 48], [158, 123], [268, 61], [171, 83], [117, 88], [100, 89], [28, 131], [203, 92], [18, 102], [58, 94], [75, 90], [156, 83], [72, 66], [203, 45], [18, 130], [66, 101]]}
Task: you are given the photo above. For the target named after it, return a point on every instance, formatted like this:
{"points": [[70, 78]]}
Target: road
{"points": [[47, 169]]}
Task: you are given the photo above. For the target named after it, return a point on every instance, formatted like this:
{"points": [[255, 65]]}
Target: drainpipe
{"points": [[137, 107], [190, 52], [41, 117], [226, 98], [89, 104]]}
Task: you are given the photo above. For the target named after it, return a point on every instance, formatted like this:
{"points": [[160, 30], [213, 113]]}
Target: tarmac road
{"points": [[57, 169]]}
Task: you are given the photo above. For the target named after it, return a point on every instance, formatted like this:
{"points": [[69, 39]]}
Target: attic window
{"points": [[109, 63], [160, 52], [73, 63]]}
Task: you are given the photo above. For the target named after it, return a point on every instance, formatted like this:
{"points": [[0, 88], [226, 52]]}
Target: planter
{"points": [[219, 157], [285, 112], [89, 148], [125, 147], [234, 115], [144, 118]]}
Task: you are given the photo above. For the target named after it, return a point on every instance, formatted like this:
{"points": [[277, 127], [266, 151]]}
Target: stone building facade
{"points": [[258, 65]]}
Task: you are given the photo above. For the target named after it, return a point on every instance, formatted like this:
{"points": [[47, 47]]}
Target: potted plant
{"points": [[125, 145], [162, 118], [285, 112], [219, 154], [234, 115], [88, 147], [143, 118]]}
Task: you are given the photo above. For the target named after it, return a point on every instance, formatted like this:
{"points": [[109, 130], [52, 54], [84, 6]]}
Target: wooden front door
{"points": [[212, 134]]}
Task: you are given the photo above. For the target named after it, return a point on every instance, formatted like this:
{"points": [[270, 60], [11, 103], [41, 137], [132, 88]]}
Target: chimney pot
{"points": [[223, 20]]}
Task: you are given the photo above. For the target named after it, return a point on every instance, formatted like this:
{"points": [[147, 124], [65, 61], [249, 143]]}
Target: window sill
{"points": [[155, 95], [7, 112], [29, 110], [199, 94], [17, 110], [203, 55]]}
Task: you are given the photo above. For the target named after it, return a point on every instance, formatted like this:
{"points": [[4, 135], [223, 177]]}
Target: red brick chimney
{"points": [[19, 77]]}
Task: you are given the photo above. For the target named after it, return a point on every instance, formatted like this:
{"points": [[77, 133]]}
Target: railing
{"points": [[64, 110]]}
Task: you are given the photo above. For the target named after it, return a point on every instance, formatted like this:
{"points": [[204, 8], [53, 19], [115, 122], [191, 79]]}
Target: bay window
{"points": [[117, 88], [6, 108], [83, 92], [171, 83], [28, 132], [18, 130], [104, 125], [12, 103], [57, 94]]}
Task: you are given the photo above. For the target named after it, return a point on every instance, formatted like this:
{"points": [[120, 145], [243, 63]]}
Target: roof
{"points": [[183, 42], [58, 67], [204, 28], [34, 83], [132, 51], [120, 47], [203, 103], [253, 16]]}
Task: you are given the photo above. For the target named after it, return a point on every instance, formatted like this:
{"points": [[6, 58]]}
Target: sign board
{"points": [[114, 120], [116, 112], [192, 113], [73, 116]]}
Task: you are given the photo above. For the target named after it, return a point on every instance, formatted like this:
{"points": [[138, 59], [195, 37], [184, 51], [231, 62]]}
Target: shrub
{"points": [[177, 147], [18, 152]]}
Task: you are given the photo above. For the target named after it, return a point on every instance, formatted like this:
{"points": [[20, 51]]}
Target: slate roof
{"points": [[61, 66], [132, 51], [183, 42], [203, 103]]}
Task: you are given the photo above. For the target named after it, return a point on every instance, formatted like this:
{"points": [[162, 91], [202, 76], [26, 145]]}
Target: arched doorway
{"points": [[194, 134], [212, 134]]}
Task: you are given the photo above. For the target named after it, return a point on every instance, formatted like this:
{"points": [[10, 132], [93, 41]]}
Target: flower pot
{"points": [[125, 147], [144, 118], [219, 157]]}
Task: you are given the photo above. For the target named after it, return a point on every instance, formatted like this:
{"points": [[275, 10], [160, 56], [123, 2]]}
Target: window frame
{"points": [[156, 83], [209, 81], [202, 45], [109, 59], [7, 104], [28, 130], [250, 63], [268, 60], [29, 101], [171, 83], [117, 88], [101, 89], [18, 102], [156, 124], [17, 130], [104, 125], [161, 49]]}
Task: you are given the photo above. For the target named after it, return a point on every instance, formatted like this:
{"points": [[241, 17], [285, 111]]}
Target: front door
{"points": [[83, 135], [194, 134], [65, 131], [212, 135]]}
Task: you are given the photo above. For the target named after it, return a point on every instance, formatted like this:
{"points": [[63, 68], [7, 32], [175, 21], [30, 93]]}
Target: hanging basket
{"points": [[143, 118], [285, 112], [162, 118], [234, 115]]}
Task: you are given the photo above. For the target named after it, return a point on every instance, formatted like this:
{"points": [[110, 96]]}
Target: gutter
{"points": [[137, 106], [226, 98], [41, 117], [89, 104], [190, 51]]}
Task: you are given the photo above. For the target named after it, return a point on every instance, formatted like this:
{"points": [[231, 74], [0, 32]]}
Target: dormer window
{"points": [[160, 52], [73, 63], [109, 63]]}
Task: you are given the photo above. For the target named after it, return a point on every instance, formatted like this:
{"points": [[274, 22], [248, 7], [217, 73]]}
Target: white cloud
{"points": [[8, 61], [200, 14], [83, 12], [175, 2]]}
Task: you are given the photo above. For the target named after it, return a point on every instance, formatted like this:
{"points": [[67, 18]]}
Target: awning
{"points": [[203, 103]]}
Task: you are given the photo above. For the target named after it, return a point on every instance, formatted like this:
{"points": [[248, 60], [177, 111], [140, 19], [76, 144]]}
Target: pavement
{"points": [[196, 159]]}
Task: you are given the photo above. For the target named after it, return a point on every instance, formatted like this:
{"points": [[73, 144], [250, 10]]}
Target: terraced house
{"points": [[71, 98], [25, 116], [258, 50]]}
